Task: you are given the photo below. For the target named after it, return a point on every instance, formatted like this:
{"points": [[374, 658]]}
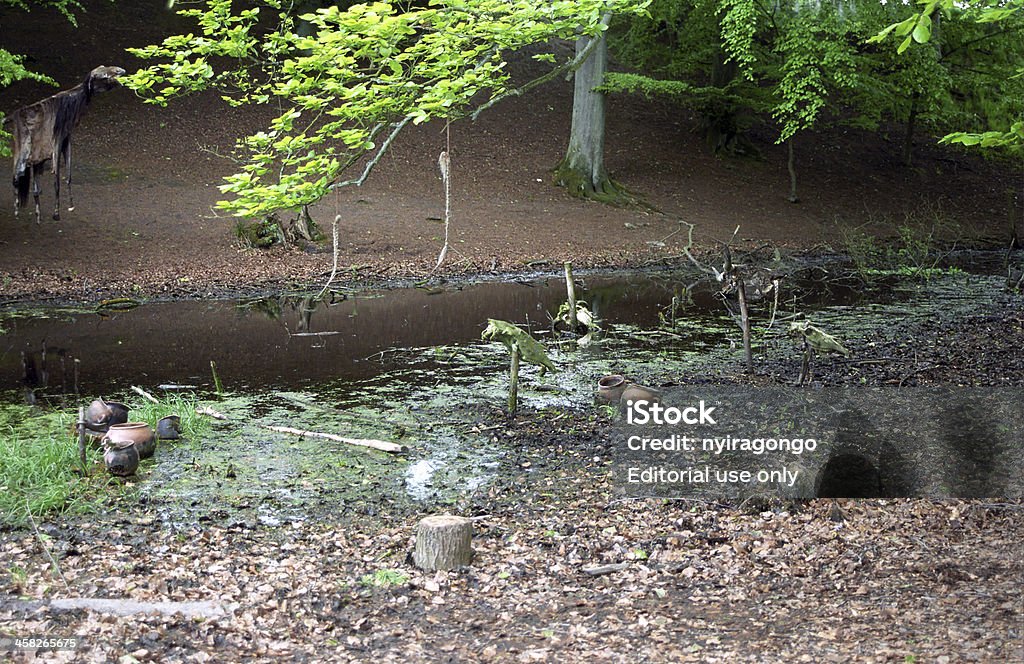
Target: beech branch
{"points": [[569, 67]]}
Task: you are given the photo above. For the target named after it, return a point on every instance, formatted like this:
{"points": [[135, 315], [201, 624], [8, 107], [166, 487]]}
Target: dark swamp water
{"points": [[407, 365]]}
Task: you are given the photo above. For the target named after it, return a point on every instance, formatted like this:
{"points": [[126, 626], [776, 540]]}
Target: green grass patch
{"points": [[39, 467], [384, 578], [193, 426], [40, 472]]}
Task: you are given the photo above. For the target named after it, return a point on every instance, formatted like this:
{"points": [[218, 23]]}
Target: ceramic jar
{"points": [[169, 428], [121, 458], [118, 412], [139, 434], [610, 388], [640, 393], [97, 415]]}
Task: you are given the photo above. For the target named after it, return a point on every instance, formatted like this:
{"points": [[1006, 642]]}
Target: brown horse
{"points": [[42, 133]]}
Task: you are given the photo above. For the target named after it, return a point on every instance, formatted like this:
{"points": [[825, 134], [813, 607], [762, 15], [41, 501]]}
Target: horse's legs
{"points": [[56, 184], [36, 172], [71, 198]]}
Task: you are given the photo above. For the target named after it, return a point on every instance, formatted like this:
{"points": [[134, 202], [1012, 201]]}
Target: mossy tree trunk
{"points": [[720, 125], [908, 134], [791, 166], [582, 171]]}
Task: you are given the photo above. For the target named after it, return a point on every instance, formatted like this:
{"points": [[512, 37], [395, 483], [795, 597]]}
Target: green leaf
{"points": [[923, 30]]}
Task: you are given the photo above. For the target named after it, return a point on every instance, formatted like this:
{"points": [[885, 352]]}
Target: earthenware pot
{"points": [[97, 415], [610, 388], [639, 393], [118, 412], [169, 428], [121, 458], [139, 434], [147, 448]]}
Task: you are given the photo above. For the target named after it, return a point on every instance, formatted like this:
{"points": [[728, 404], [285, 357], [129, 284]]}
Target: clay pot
{"points": [[118, 412], [92, 435], [169, 428], [97, 415], [610, 388], [101, 414], [639, 393], [121, 458], [139, 434]]}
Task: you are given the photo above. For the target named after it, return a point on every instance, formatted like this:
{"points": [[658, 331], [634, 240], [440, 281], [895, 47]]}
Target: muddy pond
{"points": [[407, 365]]}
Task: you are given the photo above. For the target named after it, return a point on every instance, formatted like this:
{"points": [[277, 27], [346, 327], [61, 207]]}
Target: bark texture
{"points": [[443, 542], [582, 171]]}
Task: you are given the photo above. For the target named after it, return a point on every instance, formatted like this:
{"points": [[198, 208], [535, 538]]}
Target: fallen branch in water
{"points": [[382, 445], [145, 395], [210, 412]]}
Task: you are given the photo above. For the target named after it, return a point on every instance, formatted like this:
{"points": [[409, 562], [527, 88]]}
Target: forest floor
{"points": [[888, 581]]}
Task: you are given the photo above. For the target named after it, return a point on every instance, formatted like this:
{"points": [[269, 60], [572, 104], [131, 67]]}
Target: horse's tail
{"points": [[22, 180]]}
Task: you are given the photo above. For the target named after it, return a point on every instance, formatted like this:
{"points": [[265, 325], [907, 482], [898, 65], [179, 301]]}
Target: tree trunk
{"points": [[908, 137], [582, 171], [720, 127], [791, 165], [443, 542]]}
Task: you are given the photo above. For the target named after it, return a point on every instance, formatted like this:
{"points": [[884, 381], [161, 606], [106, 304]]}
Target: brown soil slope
{"points": [[146, 180]]}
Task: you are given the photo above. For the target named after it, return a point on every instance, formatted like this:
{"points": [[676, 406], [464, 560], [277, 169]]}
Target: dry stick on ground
{"points": [[210, 412], [46, 549], [145, 395], [382, 445], [605, 569]]}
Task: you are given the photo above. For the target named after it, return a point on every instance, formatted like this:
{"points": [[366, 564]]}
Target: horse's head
{"points": [[103, 78]]}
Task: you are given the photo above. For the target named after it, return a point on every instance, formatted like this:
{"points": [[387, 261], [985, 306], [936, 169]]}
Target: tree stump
{"points": [[443, 542]]}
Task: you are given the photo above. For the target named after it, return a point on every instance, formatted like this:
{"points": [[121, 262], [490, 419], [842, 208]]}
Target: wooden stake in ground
{"points": [[741, 294], [81, 437], [513, 381], [443, 542], [570, 287]]}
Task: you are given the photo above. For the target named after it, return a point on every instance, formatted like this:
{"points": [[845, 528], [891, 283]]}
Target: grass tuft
{"points": [[40, 472]]}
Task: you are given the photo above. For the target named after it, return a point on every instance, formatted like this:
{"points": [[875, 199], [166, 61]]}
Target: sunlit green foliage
{"points": [[803, 62], [352, 82], [984, 41]]}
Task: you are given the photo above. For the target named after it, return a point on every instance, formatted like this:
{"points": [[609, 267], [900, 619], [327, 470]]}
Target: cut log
{"points": [[210, 412], [144, 394], [382, 445], [443, 542]]}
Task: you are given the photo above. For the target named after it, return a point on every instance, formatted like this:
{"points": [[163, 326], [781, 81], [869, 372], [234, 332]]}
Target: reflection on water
{"points": [[405, 365], [283, 342]]}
